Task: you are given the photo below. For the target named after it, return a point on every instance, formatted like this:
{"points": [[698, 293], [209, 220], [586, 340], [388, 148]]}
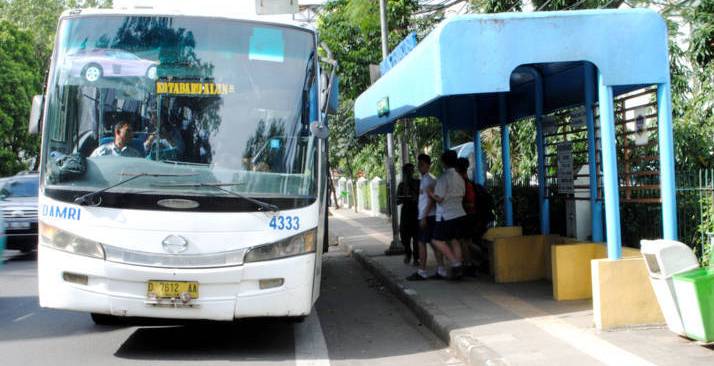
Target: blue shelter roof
{"points": [[458, 70]]}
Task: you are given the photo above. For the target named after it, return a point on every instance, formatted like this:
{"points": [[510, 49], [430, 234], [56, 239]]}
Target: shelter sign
{"points": [[403, 48], [565, 168], [383, 107]]}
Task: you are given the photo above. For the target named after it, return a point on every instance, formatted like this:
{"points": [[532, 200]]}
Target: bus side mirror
{"points": [[329, 85], [333, 102], [319, 131], [35, 114], [329, 94]]}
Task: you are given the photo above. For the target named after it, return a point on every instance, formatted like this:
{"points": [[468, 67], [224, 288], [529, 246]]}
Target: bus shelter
{"points": [[480, 71]]}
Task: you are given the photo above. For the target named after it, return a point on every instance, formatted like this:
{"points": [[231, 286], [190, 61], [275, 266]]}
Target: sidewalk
{"points": [[508, 324]]}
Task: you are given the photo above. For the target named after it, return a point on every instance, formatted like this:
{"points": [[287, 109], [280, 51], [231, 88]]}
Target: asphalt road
{"points": [[356, 322]]}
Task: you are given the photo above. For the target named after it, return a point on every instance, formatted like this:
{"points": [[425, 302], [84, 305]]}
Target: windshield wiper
{"points": [[218, 186], [86, 199]]}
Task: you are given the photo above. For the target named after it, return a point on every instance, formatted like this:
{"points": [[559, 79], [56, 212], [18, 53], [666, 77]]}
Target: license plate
{"points": [[18, 225], [172, 289]]}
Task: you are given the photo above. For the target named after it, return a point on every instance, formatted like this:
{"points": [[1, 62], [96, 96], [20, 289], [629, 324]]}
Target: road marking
{"points": [[310, 346], [581, 339], [23, 317]]}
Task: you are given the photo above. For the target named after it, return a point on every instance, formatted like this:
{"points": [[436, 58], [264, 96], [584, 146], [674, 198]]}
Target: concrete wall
{"points": [[518, 258], [571, 270], [622, 294]]}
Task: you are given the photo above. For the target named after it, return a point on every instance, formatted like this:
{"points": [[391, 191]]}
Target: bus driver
{"points": [[120, 146]]}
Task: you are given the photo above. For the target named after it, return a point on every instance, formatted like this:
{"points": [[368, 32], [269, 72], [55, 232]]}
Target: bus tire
{"points": [[104, 319]]}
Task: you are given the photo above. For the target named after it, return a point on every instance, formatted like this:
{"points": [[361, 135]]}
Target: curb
{"points": [[469, 349]]}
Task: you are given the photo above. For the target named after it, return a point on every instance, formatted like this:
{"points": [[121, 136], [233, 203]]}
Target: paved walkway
{"points": [[511, 324]]}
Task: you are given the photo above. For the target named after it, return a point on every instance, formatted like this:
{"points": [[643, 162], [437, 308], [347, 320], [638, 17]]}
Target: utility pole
{"points": [[396, 246]]}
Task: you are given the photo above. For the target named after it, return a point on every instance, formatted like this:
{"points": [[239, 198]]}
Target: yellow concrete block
{"points": [[502, 232], [600, 252], [519, 258], [622, 294], [551, 240], [571, 270]]}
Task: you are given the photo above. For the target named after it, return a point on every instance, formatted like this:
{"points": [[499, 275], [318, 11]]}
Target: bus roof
{"points": [[230, 9]]}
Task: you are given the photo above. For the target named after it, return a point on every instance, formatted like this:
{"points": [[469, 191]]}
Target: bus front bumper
{"points": [[225, 293]]}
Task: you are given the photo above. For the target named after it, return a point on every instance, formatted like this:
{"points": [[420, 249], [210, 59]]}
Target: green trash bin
{"points": [[695, 295]]}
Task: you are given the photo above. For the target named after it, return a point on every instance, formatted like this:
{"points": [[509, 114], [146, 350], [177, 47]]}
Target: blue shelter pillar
{"points": [[595, 205], [479, 171], [666, 162], [506, 157], [610, 180], [478, 168], [543, 202]]}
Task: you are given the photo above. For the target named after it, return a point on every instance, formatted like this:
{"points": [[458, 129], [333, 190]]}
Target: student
{"points": [[407, 195], [450, 215], [427, 218]]}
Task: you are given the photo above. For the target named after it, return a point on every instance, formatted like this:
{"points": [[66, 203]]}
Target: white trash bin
{"points": [[664, 259]]}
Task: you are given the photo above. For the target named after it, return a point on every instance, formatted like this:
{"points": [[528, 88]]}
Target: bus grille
{"points": [[19, 214]]}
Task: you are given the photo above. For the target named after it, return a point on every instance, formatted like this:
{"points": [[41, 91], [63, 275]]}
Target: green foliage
{"points": [[36, 16], [547, 5], [707, 228], [702, 44], [20, 79], [351, 30], [495, 6]]}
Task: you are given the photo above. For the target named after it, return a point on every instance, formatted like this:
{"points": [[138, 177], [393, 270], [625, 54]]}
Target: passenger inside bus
{"points": [[165, 144]]}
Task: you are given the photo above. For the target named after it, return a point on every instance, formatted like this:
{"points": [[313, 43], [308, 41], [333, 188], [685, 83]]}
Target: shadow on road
{"points": [[254, 339]]}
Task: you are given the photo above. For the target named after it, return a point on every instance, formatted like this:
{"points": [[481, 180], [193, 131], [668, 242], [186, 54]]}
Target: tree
{"points": [[20, 79], [351, 30]]}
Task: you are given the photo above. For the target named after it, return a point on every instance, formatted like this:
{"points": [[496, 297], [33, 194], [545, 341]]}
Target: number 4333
{"points": [[284, 223]]}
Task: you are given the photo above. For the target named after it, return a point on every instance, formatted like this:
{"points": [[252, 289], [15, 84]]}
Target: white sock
{"points": [[422, 273], [456, 264], [441, 271]]}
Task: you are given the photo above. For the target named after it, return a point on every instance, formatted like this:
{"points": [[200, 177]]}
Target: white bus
{"points": [[183, 166]]}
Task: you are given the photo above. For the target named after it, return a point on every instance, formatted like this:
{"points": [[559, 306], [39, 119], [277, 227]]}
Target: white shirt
{"points": [[450, 186], [111, 149], [426, 184]]}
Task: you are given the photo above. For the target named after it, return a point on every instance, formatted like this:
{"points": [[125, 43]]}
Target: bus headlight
{"points": [[68, 242], [296, 245]]}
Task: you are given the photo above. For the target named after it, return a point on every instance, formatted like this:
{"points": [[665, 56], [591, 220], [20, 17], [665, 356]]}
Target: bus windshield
{"points": [[191, 103]]}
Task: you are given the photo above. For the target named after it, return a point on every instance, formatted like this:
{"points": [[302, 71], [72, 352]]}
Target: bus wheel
{"points": [[104, 319]]}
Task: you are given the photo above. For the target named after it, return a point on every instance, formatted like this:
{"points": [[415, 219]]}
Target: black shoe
{"points": [[415, 277], [436, 276], [415, 263]]}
